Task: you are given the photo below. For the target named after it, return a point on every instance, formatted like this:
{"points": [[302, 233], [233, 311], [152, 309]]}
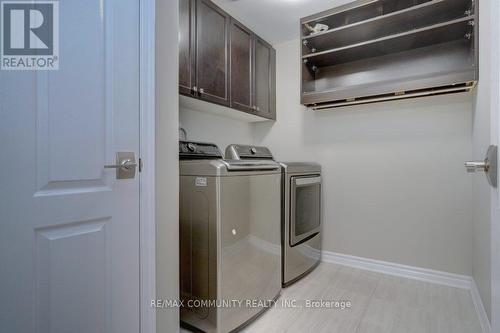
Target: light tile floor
{"points": [[380, 304]]}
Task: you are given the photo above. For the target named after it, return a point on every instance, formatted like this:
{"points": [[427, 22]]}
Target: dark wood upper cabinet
{"points": [[264, 79], [212, 55], [186, 46], [241, 67], [223, 62]]}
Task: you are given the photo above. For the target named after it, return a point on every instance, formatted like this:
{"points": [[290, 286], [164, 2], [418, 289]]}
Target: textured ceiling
{"points": [[275, 20]]}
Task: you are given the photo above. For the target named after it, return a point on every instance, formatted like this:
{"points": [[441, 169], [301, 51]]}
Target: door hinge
{"points": [[140, 164]]}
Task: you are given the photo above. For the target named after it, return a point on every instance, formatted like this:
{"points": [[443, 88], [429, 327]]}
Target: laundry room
{"points": [[254, 166], [395, 196]]}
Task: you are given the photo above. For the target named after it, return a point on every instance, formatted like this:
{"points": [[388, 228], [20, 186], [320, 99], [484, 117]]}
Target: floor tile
{"points": [[380, 304]]}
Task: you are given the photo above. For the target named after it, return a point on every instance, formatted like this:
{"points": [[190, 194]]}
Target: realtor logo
{"points": [[29, 35]]}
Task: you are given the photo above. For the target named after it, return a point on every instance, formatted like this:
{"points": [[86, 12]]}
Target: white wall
{"points": [[167, 165], [222, 131], [481, 258], [395, 188]]}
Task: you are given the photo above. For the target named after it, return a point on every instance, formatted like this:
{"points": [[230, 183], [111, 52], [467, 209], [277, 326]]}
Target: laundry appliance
{"points": [[301, 211], [230, 238]]}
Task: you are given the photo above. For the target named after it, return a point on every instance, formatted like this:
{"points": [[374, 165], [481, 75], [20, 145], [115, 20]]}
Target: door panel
{"points": [[212, 65], [72, 258], [263, 82], [66, 118], [69, 233], [241, 67], [186, 46]]}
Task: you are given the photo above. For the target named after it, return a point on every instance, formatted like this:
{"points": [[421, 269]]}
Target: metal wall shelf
{"points": [[434, 34], [407, 45], [415, 17]]}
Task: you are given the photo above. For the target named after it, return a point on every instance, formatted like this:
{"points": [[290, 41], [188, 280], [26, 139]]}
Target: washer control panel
{"points": [[242, 152], [198, 150]]}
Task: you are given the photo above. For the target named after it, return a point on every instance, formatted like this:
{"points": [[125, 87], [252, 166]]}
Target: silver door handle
{"points": [[476, 166], [126, 164], [488, 166]]}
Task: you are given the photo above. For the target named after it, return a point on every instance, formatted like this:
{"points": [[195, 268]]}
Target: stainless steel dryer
{"points": [[301, 211], [301, 219], [230, 241]]}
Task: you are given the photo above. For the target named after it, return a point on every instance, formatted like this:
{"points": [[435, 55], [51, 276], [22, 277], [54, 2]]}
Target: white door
{"points": [[69, 230]]}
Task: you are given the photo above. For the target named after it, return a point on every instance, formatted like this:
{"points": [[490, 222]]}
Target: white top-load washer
{"points": [[230, 241], [301, 211]]}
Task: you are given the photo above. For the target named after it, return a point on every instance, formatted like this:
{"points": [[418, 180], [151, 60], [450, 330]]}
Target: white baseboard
{"points": [[416, 273], [481, 312]]}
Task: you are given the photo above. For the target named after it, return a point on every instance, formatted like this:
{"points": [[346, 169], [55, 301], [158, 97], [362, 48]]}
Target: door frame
{"points": [[495, 193], [147, 229]]}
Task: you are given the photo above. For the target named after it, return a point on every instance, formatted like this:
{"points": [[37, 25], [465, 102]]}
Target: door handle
{"points": [[125, 165], [476, 166], [488, 166]]}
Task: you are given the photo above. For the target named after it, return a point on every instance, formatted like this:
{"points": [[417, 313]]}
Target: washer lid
{"points": [[257, 165], [223, 168]]}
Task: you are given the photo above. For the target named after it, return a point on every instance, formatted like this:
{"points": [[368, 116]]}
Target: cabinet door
{"points": [[264, 79], [241, 67], [186, 46], [212, 56]]}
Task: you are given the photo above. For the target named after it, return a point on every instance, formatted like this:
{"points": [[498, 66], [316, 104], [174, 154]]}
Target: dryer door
{"points": [[305, 208]]}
